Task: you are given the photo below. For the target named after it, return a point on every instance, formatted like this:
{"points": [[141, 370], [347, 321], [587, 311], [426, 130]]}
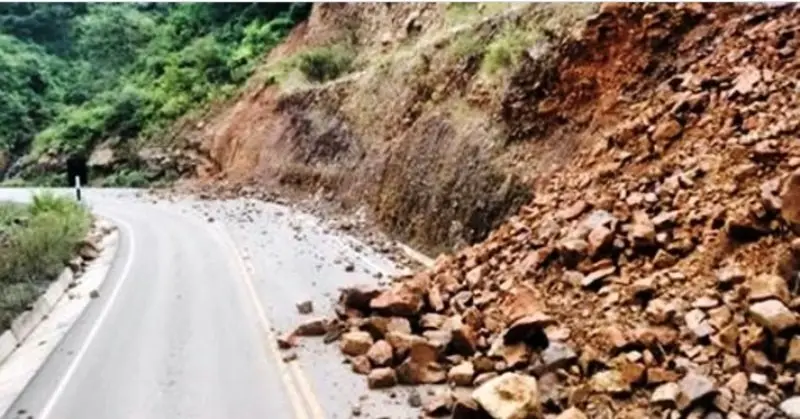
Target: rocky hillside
{"points": [[653, 274]]}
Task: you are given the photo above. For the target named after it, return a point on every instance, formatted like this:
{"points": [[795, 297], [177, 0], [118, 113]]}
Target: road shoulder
{"points": [[24, 362]]}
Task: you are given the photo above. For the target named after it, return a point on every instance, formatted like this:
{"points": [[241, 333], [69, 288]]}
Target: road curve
{"points": [[186, 320], [173, 335]]}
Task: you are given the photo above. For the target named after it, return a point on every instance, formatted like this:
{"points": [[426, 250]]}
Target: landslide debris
{"points": [[656, 273]]}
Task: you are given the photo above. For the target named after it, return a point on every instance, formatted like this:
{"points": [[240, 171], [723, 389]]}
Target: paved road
{"points": [[185, 323]]}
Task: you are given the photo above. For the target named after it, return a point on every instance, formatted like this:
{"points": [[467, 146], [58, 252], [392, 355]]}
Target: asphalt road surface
{"points": [[186, 321]]}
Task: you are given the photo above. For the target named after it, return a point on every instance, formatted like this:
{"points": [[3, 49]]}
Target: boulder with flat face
{"points": [[381, 378], [380, 353], [355, 343], [773, 315], [510, 396], [400, 300]]}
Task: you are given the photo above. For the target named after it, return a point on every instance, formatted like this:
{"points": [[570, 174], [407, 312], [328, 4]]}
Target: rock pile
{"points": [[656, 275]]}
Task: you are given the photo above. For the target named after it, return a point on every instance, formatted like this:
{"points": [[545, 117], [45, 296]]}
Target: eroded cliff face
{"points": [[421, 129]]}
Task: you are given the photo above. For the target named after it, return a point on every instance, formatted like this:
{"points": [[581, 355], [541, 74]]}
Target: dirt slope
{"points": [[655, 273]]}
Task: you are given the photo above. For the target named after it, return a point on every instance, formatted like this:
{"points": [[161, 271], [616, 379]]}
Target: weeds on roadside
{"points": [[36, 241]]}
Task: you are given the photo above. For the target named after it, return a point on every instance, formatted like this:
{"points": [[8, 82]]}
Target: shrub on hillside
{"points": [[325, 63]]}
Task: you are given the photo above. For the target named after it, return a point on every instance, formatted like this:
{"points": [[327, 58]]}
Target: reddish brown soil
{"points": [[678, 124]]}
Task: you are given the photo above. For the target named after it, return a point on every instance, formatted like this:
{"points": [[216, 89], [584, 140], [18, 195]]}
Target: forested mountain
{"points": [[76, 74]]}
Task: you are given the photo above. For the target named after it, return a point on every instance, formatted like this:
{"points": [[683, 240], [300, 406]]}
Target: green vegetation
{"points": [[314, 65], [74, 75], [506, 49], [466, 13], [323, 64], [126, 178], [36, 241]]}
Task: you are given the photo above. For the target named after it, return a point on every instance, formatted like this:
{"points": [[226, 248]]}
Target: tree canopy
{"points": [[74, 74]]}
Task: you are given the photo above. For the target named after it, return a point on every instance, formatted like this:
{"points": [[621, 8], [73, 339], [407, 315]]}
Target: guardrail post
{"points": [[78, 188]]}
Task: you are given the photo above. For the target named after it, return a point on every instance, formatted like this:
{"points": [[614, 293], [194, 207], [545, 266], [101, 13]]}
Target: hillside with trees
{"points": [[76, 75]]}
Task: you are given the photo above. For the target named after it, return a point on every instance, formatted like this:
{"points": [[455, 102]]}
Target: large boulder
{"points": [[358, 296], [510, 396], [380, 353], [356, 343], [400, 300]]}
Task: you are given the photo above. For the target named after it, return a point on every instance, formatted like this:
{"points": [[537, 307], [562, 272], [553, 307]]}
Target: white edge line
{"points": [[73, 366]]}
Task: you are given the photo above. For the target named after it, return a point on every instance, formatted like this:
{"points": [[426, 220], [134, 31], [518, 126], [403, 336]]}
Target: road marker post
{"points": [[78, 188]]}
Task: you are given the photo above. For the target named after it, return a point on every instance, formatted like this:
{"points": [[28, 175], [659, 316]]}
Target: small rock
{"points": [[526, 327], [381, 378], [414, 399], [791, 407], [438, 405], [573, 211], [738, 383], [558, 355], [355, 343], [380, 353], [431, 321], [764, 287], [644, 288], [311, 327], [610, 381], [705, 303], [361, 365], [665, 219], [760, 380], [305, 307], [793, 355], [694, 388], [94, 294], [790, 198], [464, 407], [461, 374], [286, 342], [719, 317], [593, 279], [642, 234], [599, 239], [664, 259], [729, 276], [667, 130], [773, 315], [696, 322], [658, 375], [509, 396], [666, 395]]}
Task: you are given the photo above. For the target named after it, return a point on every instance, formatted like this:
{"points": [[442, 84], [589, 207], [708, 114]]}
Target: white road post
{"points": [[78, 188]]}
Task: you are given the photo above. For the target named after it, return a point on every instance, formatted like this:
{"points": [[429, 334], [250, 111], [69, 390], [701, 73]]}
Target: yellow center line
{"points": [[287, 369]]}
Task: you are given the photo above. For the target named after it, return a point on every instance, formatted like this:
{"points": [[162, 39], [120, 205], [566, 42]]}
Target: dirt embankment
{"points": [[418, 131]]}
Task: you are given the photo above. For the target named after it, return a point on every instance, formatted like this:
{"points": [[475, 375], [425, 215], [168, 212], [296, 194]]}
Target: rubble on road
{"points": [[656, 275]]}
